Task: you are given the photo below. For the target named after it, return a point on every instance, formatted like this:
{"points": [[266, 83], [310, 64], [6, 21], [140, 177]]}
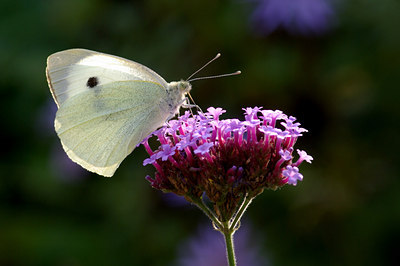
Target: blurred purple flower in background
{"points": [[207, 248], [304, 17], [45, 119], [60, 165], [63, 168], [174, 200]]}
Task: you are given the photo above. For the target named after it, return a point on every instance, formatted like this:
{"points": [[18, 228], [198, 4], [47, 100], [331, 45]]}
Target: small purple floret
{"points": [[286, 155], [166, 152], [148, 161], [204, 148], [293, 175], [215, 112], [303, 157]]}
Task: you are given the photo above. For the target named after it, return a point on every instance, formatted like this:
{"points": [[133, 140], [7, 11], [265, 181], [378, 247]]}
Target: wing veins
{"points": [[97, 117], [113, 150]]}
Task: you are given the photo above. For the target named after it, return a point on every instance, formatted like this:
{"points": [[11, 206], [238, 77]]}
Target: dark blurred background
{"points": [[332, 64]]}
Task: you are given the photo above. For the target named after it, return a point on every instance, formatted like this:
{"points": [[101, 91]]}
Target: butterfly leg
{"points": [[186, 104]]}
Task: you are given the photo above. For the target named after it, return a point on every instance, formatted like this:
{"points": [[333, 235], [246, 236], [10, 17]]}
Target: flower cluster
{"points": [[226, 159]]}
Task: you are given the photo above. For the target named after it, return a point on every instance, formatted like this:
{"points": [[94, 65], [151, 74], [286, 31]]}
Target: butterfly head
{"points": [[182, 86], [177, 91], [179, 88]]}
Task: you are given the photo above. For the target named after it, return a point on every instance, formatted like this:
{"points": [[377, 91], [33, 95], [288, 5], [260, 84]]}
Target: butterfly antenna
{"points": [[218, 55], [217, 76]]}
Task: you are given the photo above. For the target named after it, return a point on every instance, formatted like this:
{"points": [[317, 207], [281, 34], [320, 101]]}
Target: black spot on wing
{"points": [[92, 82]]}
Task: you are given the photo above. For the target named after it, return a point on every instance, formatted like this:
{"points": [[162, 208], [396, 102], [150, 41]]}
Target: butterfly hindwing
{"points": [[99, 127]]}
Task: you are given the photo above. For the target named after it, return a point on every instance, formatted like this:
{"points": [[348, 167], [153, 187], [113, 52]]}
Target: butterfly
{"points": [[107, 105]]}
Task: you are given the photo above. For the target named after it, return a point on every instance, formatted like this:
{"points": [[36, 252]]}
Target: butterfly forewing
{"points": [[68, 72]]}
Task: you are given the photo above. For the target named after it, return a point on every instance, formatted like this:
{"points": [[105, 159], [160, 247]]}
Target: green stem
{"points": [[240, 212], [199, 203], [230, 249]]}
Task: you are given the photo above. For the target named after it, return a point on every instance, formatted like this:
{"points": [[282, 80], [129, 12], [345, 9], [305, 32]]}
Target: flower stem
{"points": [[199, 203], [230, 249], [246, 202]]}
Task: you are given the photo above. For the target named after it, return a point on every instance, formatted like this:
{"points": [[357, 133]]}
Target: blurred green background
{"points": [[338, 76]]}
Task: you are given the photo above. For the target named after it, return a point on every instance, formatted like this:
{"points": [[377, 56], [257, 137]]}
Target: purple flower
{"points": [[303, 157], [286, 155], [185, 141], [226, 159], [292, 174], [251, 113], [207, 248], [150, 160], [270, 116], [304, 17], [215, 112], [166, 152], [204, 148]]}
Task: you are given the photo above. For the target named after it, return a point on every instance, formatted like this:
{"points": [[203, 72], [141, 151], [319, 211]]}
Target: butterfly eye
{"points": [[184, 86]]}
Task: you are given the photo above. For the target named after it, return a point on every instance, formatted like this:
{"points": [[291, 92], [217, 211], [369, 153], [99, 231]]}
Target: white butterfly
{"points": [[107, 105]]}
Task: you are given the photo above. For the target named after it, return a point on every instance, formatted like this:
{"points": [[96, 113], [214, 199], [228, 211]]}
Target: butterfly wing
{"points": [[99, 127], [69, 72]]}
